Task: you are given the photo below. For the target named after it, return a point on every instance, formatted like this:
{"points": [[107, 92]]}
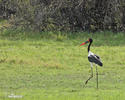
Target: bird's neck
{"points": [[89, 46]]}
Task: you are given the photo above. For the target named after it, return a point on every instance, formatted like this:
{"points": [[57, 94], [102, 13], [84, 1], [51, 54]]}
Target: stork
{"points": [[92, 59]]}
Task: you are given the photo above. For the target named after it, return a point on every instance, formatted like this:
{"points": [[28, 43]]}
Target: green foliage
{"points": [[68, 15]]}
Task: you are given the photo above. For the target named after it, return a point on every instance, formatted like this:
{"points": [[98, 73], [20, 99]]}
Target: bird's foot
{"points": [[86, 82]]}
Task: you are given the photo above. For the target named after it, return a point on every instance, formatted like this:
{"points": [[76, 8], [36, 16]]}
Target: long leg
{"points": [[91, 74], [97, 76]]}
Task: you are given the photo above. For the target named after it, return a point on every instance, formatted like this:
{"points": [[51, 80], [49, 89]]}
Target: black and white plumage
{"points": [[92, 59]]}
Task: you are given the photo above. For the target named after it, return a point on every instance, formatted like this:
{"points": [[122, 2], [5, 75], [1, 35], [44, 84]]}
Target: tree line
{"points": [[65, 15]]}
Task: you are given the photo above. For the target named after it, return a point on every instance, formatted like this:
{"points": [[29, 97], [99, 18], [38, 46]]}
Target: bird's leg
{"points": [[91, 74], [97, 76]]}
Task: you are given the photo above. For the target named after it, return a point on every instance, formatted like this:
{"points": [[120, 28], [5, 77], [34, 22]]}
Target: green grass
{"points": [[48, 66]]}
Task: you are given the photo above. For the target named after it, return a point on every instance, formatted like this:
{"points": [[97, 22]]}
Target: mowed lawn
{"points": [[36, 68]]}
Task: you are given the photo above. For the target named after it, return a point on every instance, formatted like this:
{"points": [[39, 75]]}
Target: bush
{"points": [[68, 15]]}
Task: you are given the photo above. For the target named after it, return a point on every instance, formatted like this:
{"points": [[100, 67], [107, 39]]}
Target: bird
{"points": [[93, 59]]}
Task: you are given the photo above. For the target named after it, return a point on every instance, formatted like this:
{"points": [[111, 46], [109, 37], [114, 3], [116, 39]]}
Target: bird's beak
{"points": [[85, 43]]}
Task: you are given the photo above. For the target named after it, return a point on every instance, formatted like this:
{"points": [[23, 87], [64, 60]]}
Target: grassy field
{"points": [[48, 66]]}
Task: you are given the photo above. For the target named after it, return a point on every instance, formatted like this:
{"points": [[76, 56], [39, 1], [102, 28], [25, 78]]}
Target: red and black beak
{"points": [[85, 42]]}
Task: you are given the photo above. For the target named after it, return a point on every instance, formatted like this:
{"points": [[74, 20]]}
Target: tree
{"points": [[70, 15]]}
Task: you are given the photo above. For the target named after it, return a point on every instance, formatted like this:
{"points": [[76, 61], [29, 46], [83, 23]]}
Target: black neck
{"points": [[89, 46]]}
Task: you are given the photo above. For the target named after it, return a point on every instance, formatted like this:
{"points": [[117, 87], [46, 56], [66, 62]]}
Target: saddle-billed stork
{"points": [[92, 59]]}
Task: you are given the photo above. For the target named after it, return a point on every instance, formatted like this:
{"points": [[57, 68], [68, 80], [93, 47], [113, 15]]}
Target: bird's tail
{"points": [[100, 64]]}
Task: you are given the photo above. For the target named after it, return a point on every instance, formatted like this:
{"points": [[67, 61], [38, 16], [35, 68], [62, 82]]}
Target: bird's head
{"points": [[89, 40]]}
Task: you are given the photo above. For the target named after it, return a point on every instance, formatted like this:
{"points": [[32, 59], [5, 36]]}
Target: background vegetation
{"points": [[65, 15]]}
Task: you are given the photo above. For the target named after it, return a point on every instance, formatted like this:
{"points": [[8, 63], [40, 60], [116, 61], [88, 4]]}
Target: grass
{"points": [[51, 66]]}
